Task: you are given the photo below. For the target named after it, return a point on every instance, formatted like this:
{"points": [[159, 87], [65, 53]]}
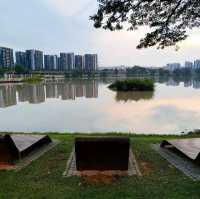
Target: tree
{"points": [[20, 69], [168, 20], [4, 70]]}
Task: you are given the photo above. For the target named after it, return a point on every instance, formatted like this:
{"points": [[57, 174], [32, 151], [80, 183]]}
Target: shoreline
{"points": [[189, 134], [11, 81]]}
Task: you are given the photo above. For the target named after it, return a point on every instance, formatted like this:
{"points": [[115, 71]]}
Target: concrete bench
{"points": [[14, 147], [102, 153]]}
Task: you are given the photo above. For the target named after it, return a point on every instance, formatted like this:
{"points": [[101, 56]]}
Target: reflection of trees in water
{"points": [[134, 96]]}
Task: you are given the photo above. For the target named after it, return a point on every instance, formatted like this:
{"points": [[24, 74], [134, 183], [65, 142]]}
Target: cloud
{"points": [[64, 25], [70, 9], [191, 41]]}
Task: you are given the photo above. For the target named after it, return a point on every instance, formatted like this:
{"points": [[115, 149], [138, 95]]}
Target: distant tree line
{"points": [[131, 71], [18, 69], [143, 71]]}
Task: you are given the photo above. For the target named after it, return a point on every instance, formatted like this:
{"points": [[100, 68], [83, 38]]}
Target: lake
{"points": [[89, 106]]}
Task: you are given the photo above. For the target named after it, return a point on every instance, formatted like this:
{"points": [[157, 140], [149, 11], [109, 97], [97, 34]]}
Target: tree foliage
{"points": [[168, 20], [20, 69], [4, 70], [133, 85]]}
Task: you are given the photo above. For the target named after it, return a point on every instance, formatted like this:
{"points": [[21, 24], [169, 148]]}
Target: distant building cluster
{"points": [[173, 66], [35, 60], [188, 64]]}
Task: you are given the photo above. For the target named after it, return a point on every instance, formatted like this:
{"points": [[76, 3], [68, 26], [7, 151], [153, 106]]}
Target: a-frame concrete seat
{"points": [[189, 147], [13, 147]]}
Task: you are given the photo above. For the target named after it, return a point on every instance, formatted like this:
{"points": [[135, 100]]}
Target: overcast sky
{"points": [[63, 25]]}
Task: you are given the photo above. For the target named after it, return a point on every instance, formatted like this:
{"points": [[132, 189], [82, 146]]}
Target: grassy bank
{"points": [[133, 85], [34, 79], [43, 178]]}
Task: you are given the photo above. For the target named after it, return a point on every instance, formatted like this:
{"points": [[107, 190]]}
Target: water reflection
{"points": [[10, 94], [7, 96], [188, 82], [135, 96], [67, 107]]}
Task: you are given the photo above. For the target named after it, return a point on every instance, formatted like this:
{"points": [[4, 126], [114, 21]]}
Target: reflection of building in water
{"points": [[36, 93], [196, 83], [7, 96], [71, 90], [91, 89], [135, 96], [79, 89], [51, 91], [23, 93], [172, 82], [188, 83], [67, 91]]}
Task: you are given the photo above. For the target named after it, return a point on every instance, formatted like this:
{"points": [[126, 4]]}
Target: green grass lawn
{"points": [[43, 178]]}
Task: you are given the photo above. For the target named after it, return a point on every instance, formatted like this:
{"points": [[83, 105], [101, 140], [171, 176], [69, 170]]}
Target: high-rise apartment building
{"points": [[188, 64], [34, 59], [6, 57], [66, 61], [47, 62], [91, 62], [63, 61], [59, 65], [79, 63], [30, 60], [173, 66], [197, 64], [20, 58], [54, 61], [70, 61], [95, 57], [50, 62]]}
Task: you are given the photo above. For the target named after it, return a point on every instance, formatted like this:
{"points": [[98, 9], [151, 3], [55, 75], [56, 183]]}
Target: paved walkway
{"points": [[184, 164], [72, 171]]}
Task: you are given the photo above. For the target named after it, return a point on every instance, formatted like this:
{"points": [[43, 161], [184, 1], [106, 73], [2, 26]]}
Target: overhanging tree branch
{"points": [[169, 19]]}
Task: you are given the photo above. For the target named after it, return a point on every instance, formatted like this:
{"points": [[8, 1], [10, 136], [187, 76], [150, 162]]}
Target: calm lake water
{"points": [[89, 106]]}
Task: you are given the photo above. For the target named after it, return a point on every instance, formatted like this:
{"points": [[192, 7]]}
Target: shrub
{"points": [[133, 85], [34, 79]]}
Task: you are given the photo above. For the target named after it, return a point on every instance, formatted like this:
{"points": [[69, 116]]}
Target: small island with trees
{"points": [[133, 85]]}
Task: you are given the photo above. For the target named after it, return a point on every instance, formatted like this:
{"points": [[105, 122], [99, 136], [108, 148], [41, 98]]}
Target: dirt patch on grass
{"points": [[101, 177], [6, 166], [53, 162], [60, 156], [146, 168]]}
